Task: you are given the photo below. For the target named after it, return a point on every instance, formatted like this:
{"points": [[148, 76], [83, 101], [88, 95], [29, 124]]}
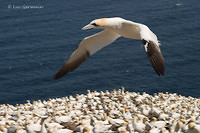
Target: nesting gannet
{"points": [[113, 29], [138, 126]]}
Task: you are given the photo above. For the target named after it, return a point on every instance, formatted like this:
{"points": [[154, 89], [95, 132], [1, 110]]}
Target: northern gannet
{"points": [[113, 29]]}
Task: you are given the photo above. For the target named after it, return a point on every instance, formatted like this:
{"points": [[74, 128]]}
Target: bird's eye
{"points": [[94, 24]]}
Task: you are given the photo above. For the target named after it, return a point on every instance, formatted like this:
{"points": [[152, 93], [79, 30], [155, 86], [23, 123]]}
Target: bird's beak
{"points": [[89, 26]]}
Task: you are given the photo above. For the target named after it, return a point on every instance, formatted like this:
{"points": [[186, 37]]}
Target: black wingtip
{"points": [[55, 77], [72, 64], [161, 73], [162, 70], [155, 57], [59, 75]]}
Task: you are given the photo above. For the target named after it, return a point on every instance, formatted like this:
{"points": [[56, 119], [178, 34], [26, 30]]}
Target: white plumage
{"points": [[114, 28]]}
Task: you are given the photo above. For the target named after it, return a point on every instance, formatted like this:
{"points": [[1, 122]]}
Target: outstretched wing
{"points": [[155, 56], [87, 47]]}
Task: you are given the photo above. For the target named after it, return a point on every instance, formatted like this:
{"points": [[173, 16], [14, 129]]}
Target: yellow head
{"points": [[96, 24]]}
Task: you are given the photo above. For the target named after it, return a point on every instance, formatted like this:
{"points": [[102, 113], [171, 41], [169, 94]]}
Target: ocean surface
{"points": [[38, 36]]}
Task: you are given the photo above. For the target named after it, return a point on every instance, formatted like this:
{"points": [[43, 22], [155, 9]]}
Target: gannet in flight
{"points": [[113, 29]]}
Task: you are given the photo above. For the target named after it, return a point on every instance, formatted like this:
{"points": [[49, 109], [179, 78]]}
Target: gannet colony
{"points": [[104, 112]]}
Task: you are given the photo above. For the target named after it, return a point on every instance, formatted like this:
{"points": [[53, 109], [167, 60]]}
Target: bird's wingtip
{"points": [[163, 74], [55, 77], [160, 73], [58, 75]]}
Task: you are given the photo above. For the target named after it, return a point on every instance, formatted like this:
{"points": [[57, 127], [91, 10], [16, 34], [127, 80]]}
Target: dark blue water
{"points": [[35, 43]]}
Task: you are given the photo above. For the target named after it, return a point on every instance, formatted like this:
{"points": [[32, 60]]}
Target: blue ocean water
{"points": [[36, 41]]}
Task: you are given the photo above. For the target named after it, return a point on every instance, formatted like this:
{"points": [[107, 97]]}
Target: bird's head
{"points": [[96, 24]]}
